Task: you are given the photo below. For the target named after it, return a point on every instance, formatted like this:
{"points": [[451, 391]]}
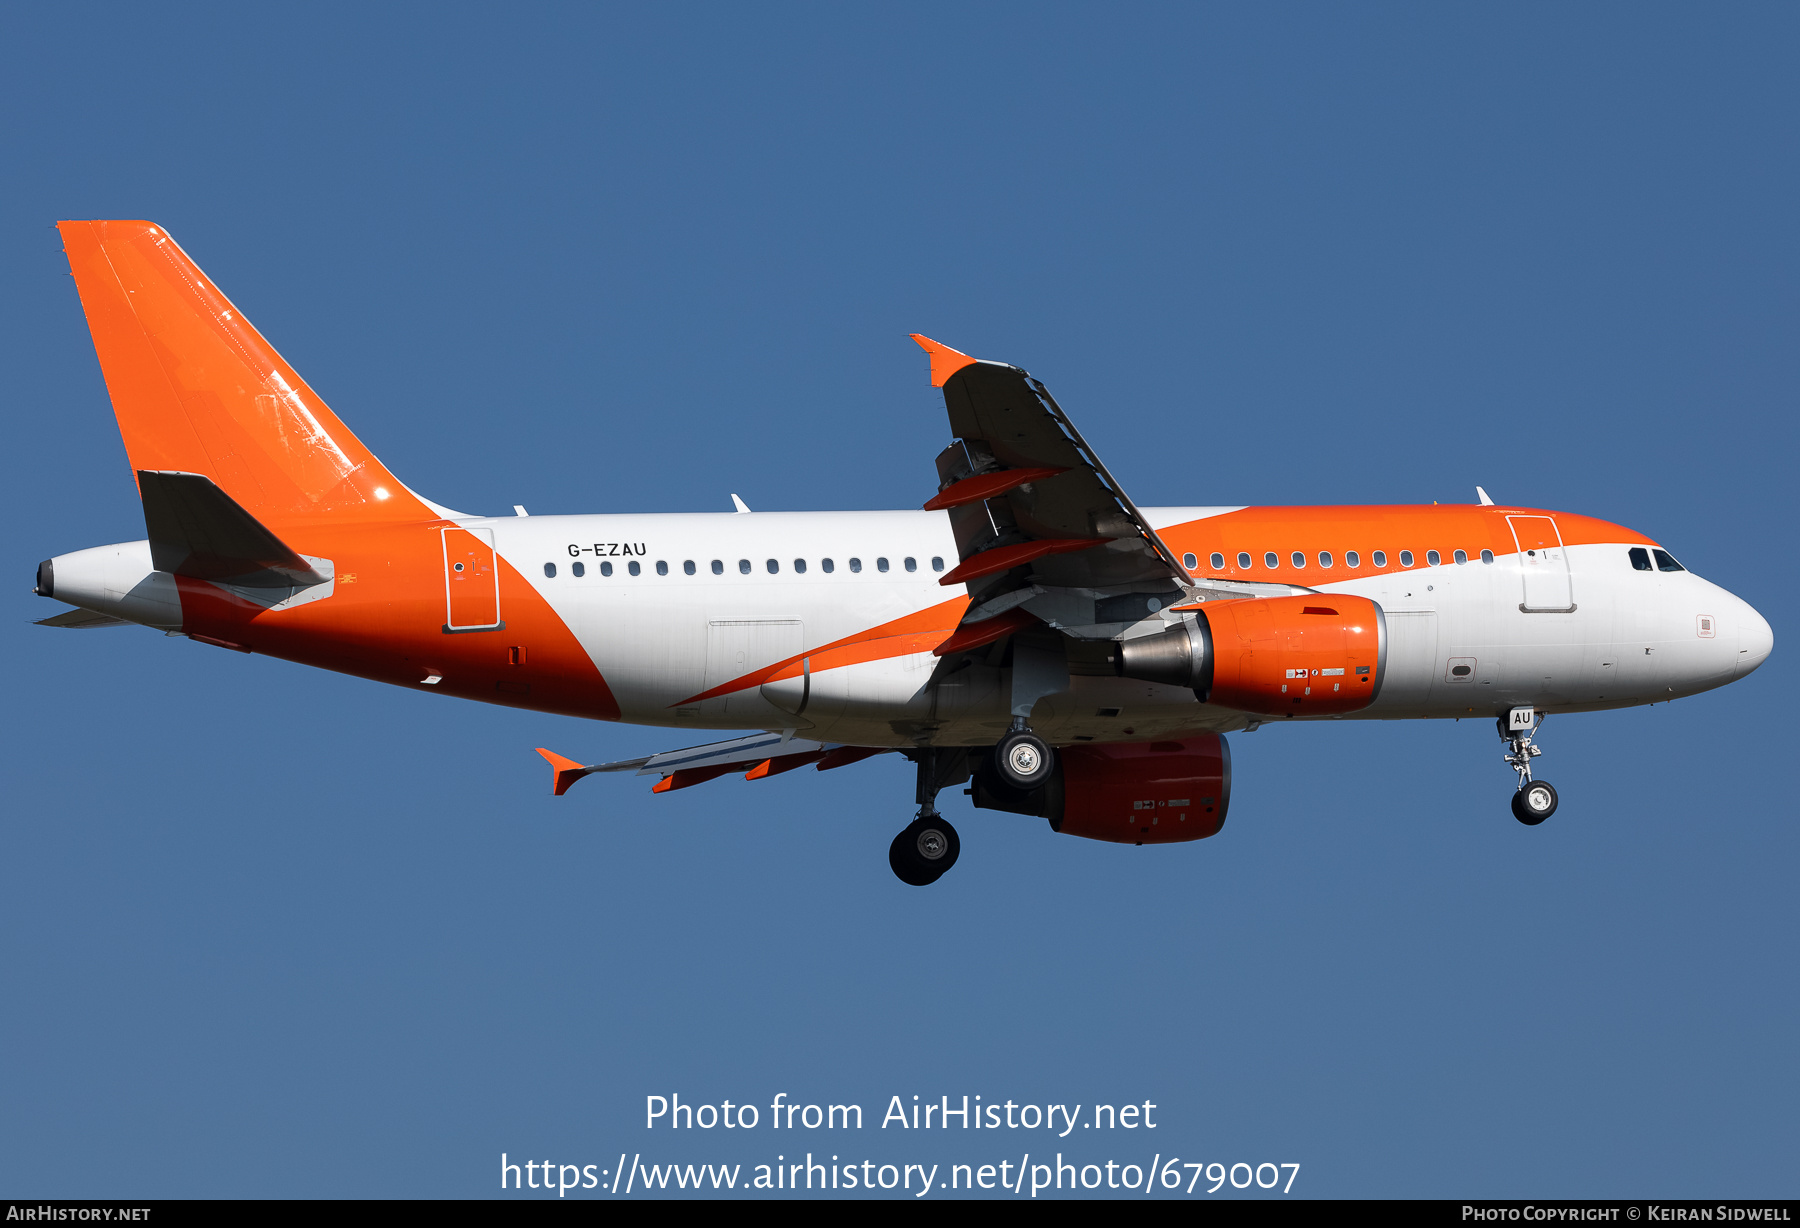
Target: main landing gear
{"points": [[929, 846], [1536, 799], [1023, 759], [922, 853]]}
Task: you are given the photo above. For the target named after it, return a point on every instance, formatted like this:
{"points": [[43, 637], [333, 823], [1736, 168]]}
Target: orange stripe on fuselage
{"points": [[385, 620], [917, 632], [1258, 530]]}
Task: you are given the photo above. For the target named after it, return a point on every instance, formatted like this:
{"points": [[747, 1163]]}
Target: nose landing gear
{"points": [[1535, 800]]}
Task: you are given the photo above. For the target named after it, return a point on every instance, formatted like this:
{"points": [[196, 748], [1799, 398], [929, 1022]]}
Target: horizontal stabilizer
{"points": [[198, 530], [82, 620]]}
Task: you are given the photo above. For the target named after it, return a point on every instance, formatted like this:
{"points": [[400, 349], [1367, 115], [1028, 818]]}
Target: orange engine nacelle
{"points": [[1126, 792], [1284, 656], [1296, 656]]}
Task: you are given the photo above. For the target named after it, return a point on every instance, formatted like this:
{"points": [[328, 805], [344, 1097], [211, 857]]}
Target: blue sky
{"points": [[274, 931]]}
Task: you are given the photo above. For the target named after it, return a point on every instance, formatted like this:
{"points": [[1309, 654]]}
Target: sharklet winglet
{"points": [[945, 361], [567, 770]]}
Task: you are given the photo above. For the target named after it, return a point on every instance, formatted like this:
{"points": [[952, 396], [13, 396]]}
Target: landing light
{"points": [[381, 492]]}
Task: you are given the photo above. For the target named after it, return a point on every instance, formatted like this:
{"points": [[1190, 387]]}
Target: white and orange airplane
{"points": [[1080, 658]]}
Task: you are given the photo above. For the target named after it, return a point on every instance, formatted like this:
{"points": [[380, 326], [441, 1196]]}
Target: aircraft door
{"points": [[471, 581], [1543, 565], [736, 647]]}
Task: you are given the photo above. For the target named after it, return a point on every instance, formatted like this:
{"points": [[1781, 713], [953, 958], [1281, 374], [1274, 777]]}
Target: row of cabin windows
{"points": [[743, 565], [1640, 560], [1378, 558]]}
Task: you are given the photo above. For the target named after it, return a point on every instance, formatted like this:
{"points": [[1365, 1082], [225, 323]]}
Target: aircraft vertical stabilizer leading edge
{"points": [[1031, 630]]}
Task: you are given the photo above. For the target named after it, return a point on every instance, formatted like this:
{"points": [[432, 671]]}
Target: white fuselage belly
{"points": [[660, 640]]}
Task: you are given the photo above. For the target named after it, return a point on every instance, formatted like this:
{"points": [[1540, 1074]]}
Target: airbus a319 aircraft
{"points": [[1030, 631]]}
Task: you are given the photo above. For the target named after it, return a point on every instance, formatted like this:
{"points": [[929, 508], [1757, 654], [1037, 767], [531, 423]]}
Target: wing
{"points": [[757, 756], [1041, 525]]}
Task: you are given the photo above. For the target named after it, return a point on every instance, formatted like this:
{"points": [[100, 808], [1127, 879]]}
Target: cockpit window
{"points": [[1666, 561], [1640, 559]]}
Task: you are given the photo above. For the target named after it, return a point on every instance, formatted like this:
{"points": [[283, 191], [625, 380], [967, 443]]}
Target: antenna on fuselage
{"points": [[739, 504], [1483, 496]]}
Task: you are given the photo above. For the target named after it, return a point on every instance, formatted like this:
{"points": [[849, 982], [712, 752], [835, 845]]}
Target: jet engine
{"points": [[1312, 655], [1125, 792]]}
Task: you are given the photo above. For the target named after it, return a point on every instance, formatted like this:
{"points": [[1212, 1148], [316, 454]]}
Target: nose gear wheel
{"points": [[1535, 800]]}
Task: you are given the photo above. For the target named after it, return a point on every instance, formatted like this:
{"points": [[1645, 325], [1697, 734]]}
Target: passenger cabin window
{"points": [[1462, 556], [912, 564], [1217, 561], [855, 565], [718, 566], [1487, 556], [744, 567], [937, 563], [1244, 561], [1640, 559], [1352, 559], [1379, 558], [1406, 558], [1299, 558], [800, 567], [634, 568], [687, 568], [1324, 558], [605, 569], [550, 571], [1270, 561], [662, 568], [827, 566], [881, 565], [1433, 557], [774, 566], [579, 570], [1666, 561], [1189, 561]]}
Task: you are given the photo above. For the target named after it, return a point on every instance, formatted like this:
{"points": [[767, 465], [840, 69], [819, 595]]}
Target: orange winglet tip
{"points": [[945, 361], [974, 635], [567, 770], [663, 785]]}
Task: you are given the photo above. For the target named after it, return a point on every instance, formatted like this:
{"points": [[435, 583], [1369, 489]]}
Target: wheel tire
{"points": [[924, 851], [1534, 803], [1024, 760]]}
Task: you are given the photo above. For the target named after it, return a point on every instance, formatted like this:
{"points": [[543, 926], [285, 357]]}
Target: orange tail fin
{"points": [[197, 389]]}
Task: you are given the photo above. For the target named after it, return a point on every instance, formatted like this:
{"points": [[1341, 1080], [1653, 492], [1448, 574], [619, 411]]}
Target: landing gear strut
{"points": [[929, 846], [1536, 799]]}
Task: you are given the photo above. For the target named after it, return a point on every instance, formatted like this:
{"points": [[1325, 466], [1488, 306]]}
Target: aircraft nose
{"points": [[1755, 640]]}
